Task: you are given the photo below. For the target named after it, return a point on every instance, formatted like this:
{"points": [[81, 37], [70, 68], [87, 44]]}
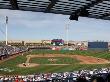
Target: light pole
{"points": [[67, 29], [6, 31]]}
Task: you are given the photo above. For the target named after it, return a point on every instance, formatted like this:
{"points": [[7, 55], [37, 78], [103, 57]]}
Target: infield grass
{"points": [[58, 60], [12, 63]]}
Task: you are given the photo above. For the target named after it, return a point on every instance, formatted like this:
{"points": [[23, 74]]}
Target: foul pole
{"points": [[6, 31]]}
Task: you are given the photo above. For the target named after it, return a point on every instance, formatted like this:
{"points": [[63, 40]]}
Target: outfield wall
{"points": [[98, 49]]}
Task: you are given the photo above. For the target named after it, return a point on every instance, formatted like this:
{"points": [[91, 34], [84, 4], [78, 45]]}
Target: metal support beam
{"points": [[94, 3], [51, 4], [83, 11], [105, 15], [14, 4]]}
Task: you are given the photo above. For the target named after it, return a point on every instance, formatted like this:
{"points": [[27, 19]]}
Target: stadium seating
{"points": [[95, 75], [6, 51]]}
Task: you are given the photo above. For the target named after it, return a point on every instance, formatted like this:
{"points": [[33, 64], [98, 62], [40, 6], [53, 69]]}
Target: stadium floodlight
{"points": [[67, 29], [6, 30]]}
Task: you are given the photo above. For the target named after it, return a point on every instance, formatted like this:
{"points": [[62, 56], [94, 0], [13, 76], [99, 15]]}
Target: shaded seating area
{"points": [[7, 51]]}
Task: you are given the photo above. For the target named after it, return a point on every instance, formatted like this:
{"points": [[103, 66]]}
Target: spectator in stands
{"points": [[108, 78], [81, 79], [98, 79]]}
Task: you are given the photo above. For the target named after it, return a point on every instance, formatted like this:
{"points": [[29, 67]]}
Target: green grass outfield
{"points": [[8, 65]]}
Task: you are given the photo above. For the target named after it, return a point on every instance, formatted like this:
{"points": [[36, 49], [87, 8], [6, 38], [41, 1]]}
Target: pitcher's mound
{"points": [[28, 65]]}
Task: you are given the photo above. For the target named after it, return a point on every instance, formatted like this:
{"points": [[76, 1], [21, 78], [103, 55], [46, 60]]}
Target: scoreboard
{"points": [[57, 42], [98, 45]]}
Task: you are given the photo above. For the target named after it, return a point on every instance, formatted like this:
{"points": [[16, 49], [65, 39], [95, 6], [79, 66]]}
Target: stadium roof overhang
{"points": [[99, 9]]}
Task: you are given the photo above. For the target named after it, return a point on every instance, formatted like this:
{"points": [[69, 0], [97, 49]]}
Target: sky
{"points": [[27, 25]]}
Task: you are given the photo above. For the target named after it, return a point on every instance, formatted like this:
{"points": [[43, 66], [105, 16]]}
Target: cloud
{"points": [[38, 25]]}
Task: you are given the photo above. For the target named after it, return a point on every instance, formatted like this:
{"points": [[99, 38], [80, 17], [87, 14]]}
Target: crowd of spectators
{"points": [[96, 75], [75, 46], [6, 51]]}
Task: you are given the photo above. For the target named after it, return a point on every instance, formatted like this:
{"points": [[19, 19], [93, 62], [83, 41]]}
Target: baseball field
{"points": [[46, 61]]}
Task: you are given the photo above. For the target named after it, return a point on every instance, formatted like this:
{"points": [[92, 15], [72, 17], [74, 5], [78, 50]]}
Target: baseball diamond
{"points": [[54, 61]]}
